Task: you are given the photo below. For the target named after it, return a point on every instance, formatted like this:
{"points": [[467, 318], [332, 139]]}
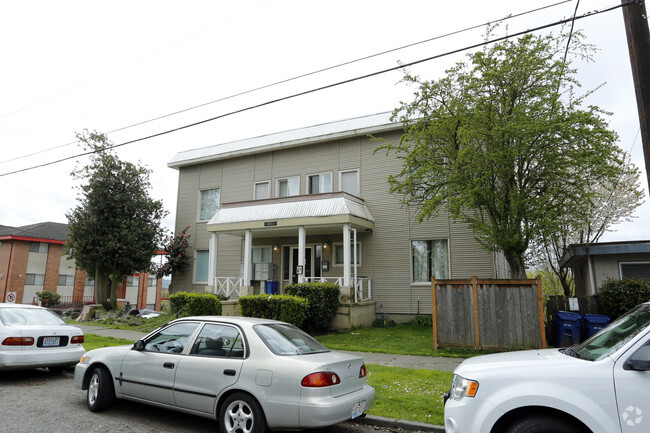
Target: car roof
{"points": [[9, 305], [232, 319]]}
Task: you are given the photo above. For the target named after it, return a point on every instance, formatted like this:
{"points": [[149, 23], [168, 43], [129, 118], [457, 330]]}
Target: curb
{"points": [[379, 421]]}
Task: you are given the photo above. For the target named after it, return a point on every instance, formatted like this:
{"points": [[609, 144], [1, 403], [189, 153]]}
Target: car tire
{"points": [[542, 424], [100, 390], [240, 413]]}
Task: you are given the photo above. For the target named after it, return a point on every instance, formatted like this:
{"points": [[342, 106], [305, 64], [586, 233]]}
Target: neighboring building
{"points": [[300, 205], [592, 264], [31, 261]]}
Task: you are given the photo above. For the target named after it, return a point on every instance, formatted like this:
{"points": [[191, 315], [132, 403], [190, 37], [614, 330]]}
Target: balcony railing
{"points": [[69, 302], [363, 286]]}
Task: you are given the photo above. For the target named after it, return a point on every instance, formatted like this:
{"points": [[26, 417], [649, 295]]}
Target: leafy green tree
{"points": [[176, 253], [115, 230], [504, 143]]}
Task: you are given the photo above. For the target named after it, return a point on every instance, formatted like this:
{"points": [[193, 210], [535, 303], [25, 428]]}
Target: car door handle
{"points": [[229, 372], [169, 365]]}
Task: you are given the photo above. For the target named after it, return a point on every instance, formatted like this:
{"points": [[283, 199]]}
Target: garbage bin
{"points": [[567, 328], [594, 323], [272, 287]]}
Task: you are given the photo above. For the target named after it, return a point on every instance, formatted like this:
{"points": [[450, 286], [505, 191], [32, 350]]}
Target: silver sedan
{"points": [[251, 374]]}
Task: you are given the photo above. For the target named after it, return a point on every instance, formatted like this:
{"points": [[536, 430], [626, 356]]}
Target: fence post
{"points": [[434, 317], [540, 306], [477, 338]]}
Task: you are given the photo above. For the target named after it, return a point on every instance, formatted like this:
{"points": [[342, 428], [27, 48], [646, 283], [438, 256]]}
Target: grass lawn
{"points": [[402, 393]]}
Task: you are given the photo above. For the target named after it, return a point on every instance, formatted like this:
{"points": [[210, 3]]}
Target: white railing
{"points": [[362, 287], [227, 285]]}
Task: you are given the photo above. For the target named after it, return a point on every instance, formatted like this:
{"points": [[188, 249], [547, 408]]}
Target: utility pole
{"points": [[638, 42]]}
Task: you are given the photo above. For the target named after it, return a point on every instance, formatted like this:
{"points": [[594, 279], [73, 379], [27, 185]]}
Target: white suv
{"points": [[599, 386]]}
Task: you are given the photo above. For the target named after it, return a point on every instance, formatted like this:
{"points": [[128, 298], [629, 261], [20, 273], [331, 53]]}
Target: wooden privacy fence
{"points": [[488, 313]]}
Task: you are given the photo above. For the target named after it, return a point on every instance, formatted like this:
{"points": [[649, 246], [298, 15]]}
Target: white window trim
{"points": [[358, 194], [287, 178], [267, 182], [198, 207], [340, 265], [426, 283], [630, 262], [308, 182]]}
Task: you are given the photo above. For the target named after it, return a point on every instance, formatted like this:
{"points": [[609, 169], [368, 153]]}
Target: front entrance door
{"points": [[307, 269]]}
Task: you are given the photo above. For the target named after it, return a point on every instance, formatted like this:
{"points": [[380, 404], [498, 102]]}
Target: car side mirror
{"points": [[138, 345], [640, 360]]}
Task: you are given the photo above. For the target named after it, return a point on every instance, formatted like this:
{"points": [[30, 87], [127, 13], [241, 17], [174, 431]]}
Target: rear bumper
{"points": [[322, 412], [42, 358]]}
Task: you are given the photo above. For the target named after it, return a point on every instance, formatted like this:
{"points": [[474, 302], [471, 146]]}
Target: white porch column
{"points": [[302, 240], [248, 245], [346, 256], [212, 260]]}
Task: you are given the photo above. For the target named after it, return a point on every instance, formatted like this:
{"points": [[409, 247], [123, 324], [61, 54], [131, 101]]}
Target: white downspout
{"points": [[302, 238], [346, 255], [212, 260], [248, 245]]}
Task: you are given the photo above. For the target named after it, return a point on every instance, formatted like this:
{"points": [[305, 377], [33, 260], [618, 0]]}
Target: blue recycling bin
{"points": [[272, 287], [594, 323], [567, 328]]}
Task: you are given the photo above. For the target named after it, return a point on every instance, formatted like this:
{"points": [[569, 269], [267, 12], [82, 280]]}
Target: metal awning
{"points": [[319, 213]]}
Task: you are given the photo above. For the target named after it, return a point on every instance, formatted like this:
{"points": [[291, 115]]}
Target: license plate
{"points": [[50, 341], [357, 409]]}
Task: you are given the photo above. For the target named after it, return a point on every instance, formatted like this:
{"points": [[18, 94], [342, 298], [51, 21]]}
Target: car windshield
{"points": [[29, 316], [615, 336], [285, 339]]}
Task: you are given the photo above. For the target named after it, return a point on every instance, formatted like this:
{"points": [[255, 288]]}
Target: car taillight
{"points": [[363, 372], [18, 341], [320, 379], [77, 339]]}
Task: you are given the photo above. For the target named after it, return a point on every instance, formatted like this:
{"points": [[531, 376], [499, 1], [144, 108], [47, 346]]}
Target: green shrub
{"points": [[195, 304], [421, 320], [323, 303], [618, 296], [290, 309], [48, 299]]}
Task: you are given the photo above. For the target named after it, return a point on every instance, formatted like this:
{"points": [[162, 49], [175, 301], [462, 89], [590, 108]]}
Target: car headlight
{"points": [[461, 387]]}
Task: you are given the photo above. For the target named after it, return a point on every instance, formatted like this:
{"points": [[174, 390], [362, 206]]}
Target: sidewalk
{"points": [[384, 359]]}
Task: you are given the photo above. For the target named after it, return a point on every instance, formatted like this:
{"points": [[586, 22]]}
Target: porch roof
{"points": [[320, 213]]}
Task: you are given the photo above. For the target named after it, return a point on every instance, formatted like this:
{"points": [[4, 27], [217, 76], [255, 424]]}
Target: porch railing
{"points": [[227, 285], [362, 287], [70, 302]]}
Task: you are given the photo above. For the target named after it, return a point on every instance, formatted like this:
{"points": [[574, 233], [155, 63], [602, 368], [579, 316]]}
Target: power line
{"points": [[297, 77], [329, 86]]}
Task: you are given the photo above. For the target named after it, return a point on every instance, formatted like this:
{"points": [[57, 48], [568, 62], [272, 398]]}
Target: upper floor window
{"points": [[34, 279], [319, 183], [349, 182], [152, 282], [133, 281], [66, 280], [38, 247], [289, 186], [210, 200], [89, 281], [430, 259], [262, 190]]}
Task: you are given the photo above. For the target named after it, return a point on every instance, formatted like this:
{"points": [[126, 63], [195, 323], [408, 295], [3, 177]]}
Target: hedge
{"points": [[615, 297], [323, 303], [290, 309], [195, 304]]}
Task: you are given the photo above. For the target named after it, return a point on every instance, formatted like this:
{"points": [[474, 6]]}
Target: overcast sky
{"points": [[106, 65]]}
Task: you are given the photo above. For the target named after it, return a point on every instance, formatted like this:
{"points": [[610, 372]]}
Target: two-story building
{"points": [[31, 261], [313, 204]]}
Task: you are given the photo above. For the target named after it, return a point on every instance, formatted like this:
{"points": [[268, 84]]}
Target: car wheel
{"points": [[541, 424], [100, 390], [240, 413]]}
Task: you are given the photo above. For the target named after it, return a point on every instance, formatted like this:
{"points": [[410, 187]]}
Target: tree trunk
{"points": [[114, 282], [516, 264]]}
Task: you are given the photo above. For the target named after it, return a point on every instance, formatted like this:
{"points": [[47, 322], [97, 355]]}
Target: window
{"points": [[34, 279], [66, 280], [171, 339], [262, 190], [338, 254], [289, 186], [430, 259], [261, 254], [133, 281], [152, 282], [38, 247], [90, 281], [635, 270], [209, 203], [219, 340], [201, 267], [319, 183], [349, 182]]}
